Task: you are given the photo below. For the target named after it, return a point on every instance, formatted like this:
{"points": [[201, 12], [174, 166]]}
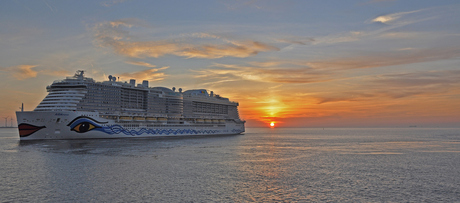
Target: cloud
{"points": [[422, 84], [114, 35], [107, 32], [22, 72], [353, 36], [143, 49], [149, 74], [342, 37], [140, 63], [389, 22], [369, 95], [401, 35], [419, 79], [239, 50], [373, 60], [52, 8], [112, 2], [297, 40], [59, 73], [284, 72], [329, 69], [389, 18], [128, 22]]}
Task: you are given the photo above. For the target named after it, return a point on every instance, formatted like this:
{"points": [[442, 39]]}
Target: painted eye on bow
{"points": [[83, 127], [84, 124]]}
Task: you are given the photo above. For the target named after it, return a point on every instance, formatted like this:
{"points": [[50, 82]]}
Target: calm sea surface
{"points": [[263, 165]]}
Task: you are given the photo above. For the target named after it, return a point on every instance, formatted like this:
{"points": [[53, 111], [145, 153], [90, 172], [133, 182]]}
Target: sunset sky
{"points": [[304, 63]]}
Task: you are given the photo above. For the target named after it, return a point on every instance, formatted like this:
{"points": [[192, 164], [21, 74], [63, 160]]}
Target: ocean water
{"points": [[263, 165]]}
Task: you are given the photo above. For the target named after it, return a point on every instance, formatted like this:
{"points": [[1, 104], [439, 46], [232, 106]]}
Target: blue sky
{"points": [[298, 63]]}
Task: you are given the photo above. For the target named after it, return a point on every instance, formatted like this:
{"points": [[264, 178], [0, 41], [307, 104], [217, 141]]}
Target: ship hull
{"points": [[34, 125]]}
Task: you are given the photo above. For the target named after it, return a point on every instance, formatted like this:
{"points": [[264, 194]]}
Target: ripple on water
{"points": [[292, 165]]}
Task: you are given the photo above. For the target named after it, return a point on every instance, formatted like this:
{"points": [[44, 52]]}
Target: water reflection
{"points": [[270, 164], [116, 170], [265, 165], [345, 165], [112, 146]]}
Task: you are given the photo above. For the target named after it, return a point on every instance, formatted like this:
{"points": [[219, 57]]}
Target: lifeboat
{"points": [[139, 119], [151, 119], [207, 121], [199, 120], [126, 118]]}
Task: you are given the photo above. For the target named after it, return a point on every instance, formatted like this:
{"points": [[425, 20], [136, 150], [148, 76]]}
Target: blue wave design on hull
{"points": [[117, 129], [84, 124]]}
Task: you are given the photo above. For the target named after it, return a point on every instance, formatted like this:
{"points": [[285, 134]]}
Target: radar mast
{"points": [[79, 74]]}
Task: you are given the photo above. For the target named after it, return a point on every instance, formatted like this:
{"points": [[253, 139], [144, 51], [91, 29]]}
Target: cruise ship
{"points": [[81, 108]]}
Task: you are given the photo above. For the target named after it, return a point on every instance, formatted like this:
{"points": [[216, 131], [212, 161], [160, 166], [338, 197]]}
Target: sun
{"points": [[272, 124]]}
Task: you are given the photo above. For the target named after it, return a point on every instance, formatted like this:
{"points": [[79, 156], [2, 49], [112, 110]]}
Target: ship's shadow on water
{"points": [[115, 146]]}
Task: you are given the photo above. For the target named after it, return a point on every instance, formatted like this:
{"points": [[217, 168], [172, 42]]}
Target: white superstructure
{"points": [[80, 108]]}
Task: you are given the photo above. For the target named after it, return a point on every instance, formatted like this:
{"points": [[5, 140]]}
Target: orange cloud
{"points": [[143, 49], [278, 74], [140, 63], [373, 60], [128, 22], [22, 72], [149, 74], [396, 87], [112, 34], [287, 89], [240, 50]]}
